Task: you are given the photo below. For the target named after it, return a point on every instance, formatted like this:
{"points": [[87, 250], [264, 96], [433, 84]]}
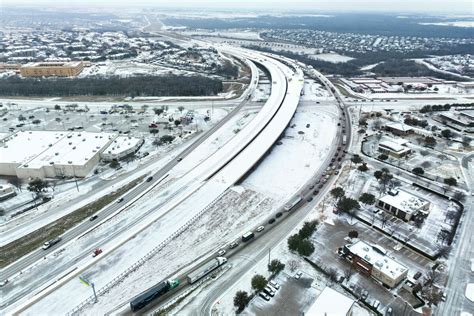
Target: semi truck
{"points": [[154, 292], [206, 269]]}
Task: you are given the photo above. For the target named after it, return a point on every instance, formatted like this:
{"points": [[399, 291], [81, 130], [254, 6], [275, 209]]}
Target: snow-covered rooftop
{"points": [[394, 144], [122, 144], [399, 126], [377, 257], [405, 201], [330, 303], [40, 148]]}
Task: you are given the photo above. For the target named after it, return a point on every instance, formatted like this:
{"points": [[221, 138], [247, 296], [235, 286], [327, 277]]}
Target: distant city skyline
{"points": [[463, 7]]}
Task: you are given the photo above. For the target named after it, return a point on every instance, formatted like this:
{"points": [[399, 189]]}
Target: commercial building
{"points": [[399, 129], [121, 147], [9, 67], [331, 303], [394, 147], [52, 69], [403, 205], [47, 154], [372, 260]]}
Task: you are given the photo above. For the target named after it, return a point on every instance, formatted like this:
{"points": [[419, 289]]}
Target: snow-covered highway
{"points": [[260, 130]]}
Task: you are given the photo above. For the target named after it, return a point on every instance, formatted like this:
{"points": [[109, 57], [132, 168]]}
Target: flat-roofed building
{"points": [[403, 205], [372, 260], [48, 154], [399, 129], [9, 67], [394, 147], [121, 147], [52, 69]]}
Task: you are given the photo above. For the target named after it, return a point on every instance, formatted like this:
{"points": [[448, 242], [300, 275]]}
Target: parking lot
{"points": [[293, 298], [329, 237]]}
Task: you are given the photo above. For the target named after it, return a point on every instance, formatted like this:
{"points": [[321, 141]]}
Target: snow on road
{"points": [[224, 221]]}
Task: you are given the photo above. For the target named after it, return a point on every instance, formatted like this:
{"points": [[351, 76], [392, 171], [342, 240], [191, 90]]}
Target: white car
{"points": [[376, 304], [298, 275], [275, 285], [221, 252], [264, 296], [260, 228]]}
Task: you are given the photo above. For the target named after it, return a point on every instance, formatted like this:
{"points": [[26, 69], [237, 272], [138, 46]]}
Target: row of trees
{"points": [[258, 282], [300, 242], [168, 85]]}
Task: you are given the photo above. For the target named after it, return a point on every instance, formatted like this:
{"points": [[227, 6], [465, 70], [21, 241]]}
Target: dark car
{"points": [[93, 217], [119, 200], [271, 221], [279, 214], [149, 179]]}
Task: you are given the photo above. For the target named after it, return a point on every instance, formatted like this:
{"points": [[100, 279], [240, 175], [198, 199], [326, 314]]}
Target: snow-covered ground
{"points": [[65, 193], [332, 57], [125, 69], [245, 34], [246, 203], [131, 216], [315, 92], [301, 153]]}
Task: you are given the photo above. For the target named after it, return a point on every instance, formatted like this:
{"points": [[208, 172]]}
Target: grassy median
{"points": [[24, 245]]}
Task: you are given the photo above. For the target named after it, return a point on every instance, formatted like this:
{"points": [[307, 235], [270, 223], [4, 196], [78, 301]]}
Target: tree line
{"points": [[391, 63], [169, 85]]}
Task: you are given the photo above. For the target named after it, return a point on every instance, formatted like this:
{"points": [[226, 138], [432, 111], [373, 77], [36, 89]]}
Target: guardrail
{"points": [[118, 279]]}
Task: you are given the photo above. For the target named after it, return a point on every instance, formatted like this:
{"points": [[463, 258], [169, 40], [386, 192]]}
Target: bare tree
{"points": [[461, 197], [293, 265], [332, 274], [432, 277], [16, 182], [348, 273], [432, 295], [443, 251]]}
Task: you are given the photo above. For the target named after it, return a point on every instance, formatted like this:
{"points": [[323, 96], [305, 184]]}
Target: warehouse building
{"points": [[52, 69], [372, 260], [403, 205], [47, 154]]}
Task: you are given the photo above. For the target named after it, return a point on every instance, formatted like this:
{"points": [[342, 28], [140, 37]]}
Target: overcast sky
{"points": [[464, 7]]}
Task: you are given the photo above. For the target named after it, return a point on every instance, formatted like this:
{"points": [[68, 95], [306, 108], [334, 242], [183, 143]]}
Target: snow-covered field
{"points": [[300, 155], [315, 92], [452, 23], [125, 68], [246, 35], [332, 57]]}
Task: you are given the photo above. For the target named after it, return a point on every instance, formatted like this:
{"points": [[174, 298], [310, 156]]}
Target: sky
{"points": [[447, 7]]}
